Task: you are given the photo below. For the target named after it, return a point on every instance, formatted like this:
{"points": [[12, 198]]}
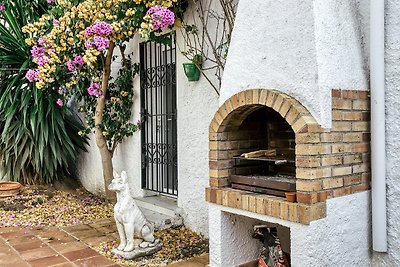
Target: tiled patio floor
{"points": [[64, 247]]}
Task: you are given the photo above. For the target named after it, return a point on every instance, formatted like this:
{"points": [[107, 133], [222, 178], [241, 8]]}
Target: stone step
{"points": [[160, 204], [160, 211]]}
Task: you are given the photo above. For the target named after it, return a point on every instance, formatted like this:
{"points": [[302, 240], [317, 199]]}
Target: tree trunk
{"points": [[106, 155]]}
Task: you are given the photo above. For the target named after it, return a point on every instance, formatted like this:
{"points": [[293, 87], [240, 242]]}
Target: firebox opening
{"points": [[265, 160]]}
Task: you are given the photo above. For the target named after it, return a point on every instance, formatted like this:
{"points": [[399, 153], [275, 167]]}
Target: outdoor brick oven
{"points": [[315, 162]]}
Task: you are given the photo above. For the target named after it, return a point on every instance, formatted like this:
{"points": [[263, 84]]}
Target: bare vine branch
{"points": [[209, 36]]}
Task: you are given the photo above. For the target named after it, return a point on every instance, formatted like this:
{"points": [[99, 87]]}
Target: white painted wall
{"points": [[392, 69], [303, 48], [197, 104], [340, 239]]}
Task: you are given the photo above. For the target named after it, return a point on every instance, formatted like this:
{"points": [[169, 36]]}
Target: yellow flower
{"points": [[40, 84]]}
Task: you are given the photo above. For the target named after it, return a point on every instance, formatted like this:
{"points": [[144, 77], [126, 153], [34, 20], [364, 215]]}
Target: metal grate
{"points": [[158, 109]]}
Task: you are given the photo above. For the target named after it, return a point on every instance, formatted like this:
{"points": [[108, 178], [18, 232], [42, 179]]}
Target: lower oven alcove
{"points": [[238, 233]]}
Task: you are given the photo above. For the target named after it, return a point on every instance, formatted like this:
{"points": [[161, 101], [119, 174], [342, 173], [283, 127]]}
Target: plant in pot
{"points": [[192, 70]]}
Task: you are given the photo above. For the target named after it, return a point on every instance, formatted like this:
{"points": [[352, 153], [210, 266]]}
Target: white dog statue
{"points": [[130, 220]]}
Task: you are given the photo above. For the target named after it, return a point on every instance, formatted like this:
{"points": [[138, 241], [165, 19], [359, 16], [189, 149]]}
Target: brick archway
{"points": [[289, 108]]}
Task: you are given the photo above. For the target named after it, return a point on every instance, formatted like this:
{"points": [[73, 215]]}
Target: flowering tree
{"points": [[73, 47]]}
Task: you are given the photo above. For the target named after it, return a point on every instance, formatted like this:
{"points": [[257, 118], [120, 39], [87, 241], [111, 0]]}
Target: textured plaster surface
{"points": [[392, 69], [275, 50], [342, 237], [305, 51], [341, 40], [197, 103]]}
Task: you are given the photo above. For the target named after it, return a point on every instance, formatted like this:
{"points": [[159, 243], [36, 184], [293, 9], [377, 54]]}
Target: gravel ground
{"points": [[42, 206], [38, 206]]}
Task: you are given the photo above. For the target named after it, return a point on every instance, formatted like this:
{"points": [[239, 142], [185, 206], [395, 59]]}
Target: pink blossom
{"points": [[32, 75], [2, 7], [41, 41], [37, 51], [101, 43], [50, 1], [56, 22], [70, 66], [78, 60], [42, 60], [88, 44], [94, 89], [60, 102], [161, 17], [99, 28]]}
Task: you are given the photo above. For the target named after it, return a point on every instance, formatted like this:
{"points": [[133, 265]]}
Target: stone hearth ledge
{"points": [[266, 205]]}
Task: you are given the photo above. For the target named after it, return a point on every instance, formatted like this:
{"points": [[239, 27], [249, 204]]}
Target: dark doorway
{"points": [[158, 109]]}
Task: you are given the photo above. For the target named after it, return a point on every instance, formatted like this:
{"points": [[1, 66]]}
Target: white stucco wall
{"points": [[303, 48], [392, 69], [197, 103], [340, 239]]}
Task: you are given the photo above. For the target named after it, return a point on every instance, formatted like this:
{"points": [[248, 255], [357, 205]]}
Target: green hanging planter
{"points": [[191, 71]]}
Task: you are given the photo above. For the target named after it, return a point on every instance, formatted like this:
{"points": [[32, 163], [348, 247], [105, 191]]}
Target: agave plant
{"points": [[38, 139]]}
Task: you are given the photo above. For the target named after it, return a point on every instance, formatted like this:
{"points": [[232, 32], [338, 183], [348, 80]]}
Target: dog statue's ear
{"points": [[115, 174], [123, 176]]}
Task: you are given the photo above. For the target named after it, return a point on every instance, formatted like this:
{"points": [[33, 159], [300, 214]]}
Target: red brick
{"points": [[344, 191], [351, 94], [336, 93]]}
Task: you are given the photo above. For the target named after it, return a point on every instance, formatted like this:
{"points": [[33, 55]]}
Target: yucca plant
{"points": [[38, 139]]}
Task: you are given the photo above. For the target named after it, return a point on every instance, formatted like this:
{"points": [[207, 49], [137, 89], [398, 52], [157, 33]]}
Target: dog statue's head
{"points": [[119, 182]]}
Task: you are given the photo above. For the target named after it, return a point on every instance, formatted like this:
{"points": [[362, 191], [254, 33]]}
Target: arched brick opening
{"points": [[228, 139]]}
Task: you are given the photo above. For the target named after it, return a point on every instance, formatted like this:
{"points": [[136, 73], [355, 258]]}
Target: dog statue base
{"points": [[138, 251]]}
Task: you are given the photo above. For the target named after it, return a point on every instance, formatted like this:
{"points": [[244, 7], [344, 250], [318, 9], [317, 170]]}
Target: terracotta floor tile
{"points": [[82, 235], [38, 253], [80, 254], [20, 263], [98, 261], [102, 223], [68, 247], [48, 261], [16, 234], [77, 228], [23, 239], [57, 238], [4, 246], [95, 240], [107, 230], [9, 229], [11, 258], [67, 264], [40, 229], [28, 246]]}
